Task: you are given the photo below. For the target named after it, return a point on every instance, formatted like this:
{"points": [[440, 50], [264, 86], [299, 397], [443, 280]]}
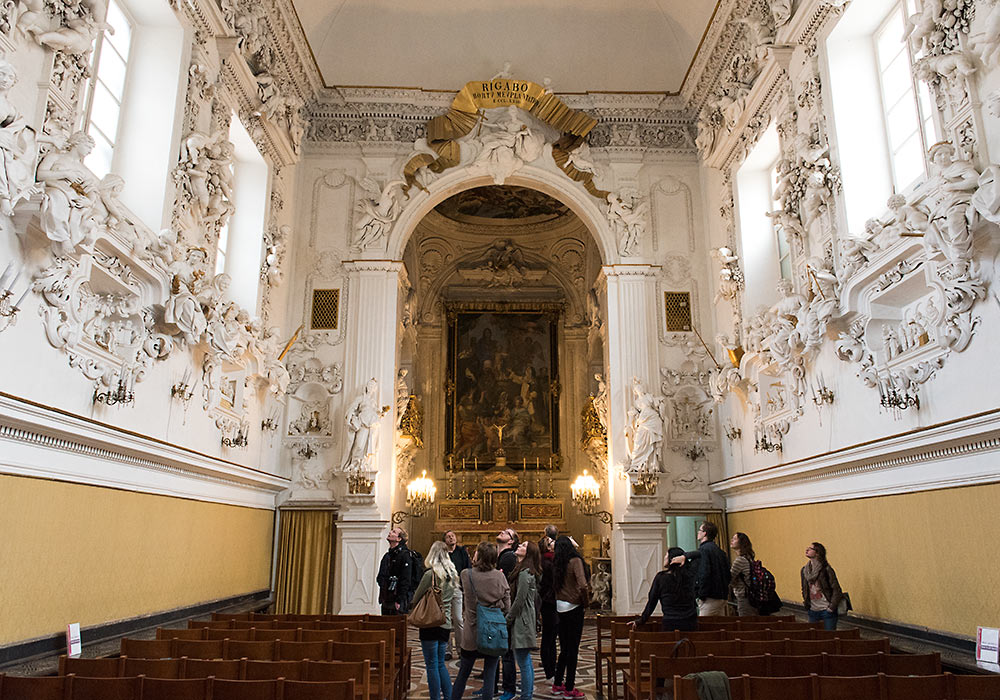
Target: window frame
{"points": [[95, 78], [913, 94]]}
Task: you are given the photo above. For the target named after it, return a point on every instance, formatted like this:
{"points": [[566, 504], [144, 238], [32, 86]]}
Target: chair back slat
{"points": [[197, 649], [146, 648], [228, 669], [175, 688], [244, 690], [239, 635], [251, 650], [275, 635], [270, 670], [153, 668], [185, 633], [317, 690], [93, 668], [83, 688], [33, 687], [299, 651]]}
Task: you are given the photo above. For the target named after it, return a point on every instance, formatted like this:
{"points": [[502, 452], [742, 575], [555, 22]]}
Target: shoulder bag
{"points": [[429, 611], [491, 627]]}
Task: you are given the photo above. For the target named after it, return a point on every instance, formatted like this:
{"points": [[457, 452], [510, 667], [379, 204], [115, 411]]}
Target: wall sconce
{"points": [[419, 497], [239, 441], [893, 397], [587, 496], [764, 444], [270, 423], [823, 394], [307, 452], [183, 390], [122, 394], [694, 452], [8, 310], [732, 432]]}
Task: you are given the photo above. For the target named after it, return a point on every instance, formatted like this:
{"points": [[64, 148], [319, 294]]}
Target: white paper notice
{"points": [[988, 645], [73, 645]]}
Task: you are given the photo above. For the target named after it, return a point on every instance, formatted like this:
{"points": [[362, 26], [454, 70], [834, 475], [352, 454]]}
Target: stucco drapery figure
{"points": [[71, 191], [644, 432], [362, 419], [17, 147]]}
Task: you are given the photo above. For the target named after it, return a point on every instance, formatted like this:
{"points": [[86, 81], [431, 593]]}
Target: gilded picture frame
{"points": [[502, 387]]}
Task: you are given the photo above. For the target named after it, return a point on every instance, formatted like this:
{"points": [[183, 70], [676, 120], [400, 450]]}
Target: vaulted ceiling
{"points": [[581, 45]]}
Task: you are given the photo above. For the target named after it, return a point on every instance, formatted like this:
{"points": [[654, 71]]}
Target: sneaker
{"points": [[574, 694], [507, 696], [558, 689], [448, 657]]}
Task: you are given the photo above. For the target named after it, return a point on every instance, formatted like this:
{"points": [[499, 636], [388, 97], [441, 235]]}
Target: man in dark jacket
{"points": [[394, 575], [711, 585]]}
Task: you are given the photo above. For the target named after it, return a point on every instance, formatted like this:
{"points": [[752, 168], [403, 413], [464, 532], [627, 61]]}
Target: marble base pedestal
{"points": [[637, 552], [360, 546]]}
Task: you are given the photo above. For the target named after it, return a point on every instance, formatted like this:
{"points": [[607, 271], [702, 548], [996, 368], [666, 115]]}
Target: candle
{"points": [[13, 281], [6, 275], [524, 464], [449, 463], [21, 300], [187, 376], [475, 464]]}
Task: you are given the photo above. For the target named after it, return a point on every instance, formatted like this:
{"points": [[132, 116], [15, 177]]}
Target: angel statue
{"points": [[362, 420], [378, 211]]}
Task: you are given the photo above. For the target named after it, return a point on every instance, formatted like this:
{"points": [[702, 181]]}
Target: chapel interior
{"points": [[280, 275]]}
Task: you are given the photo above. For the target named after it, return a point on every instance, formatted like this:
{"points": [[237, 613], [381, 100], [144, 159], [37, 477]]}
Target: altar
{"points": [[497, 500]]}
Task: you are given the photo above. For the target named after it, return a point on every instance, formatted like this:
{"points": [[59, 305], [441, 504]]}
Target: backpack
{"points": [[760, 589], [416, 569]]}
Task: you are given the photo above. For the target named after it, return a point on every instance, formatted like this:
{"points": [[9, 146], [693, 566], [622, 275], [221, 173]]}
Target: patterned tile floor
{"points": [[585, 679]]}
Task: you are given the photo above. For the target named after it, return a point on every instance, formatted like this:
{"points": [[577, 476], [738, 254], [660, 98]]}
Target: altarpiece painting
{"points": [[502, 377]]}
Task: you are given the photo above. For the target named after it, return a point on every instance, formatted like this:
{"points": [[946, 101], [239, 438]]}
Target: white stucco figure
{"points": [[71, 191], [952, 184], [402, 395], [362, 420], [627, 214], [601, 406], [507, 145], [581, 159], [643, 432], [377, 212], [18, 149]]}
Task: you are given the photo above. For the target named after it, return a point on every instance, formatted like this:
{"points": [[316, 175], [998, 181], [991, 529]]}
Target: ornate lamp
{"points": [[419, 496], [587, 496]]}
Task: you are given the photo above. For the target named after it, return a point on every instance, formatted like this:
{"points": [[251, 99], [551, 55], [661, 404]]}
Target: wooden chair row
{"points": [[282, 624], [248, 616], [748, 635], [316, 621], [377, 654], [876, 687], [144, 688], [235, 669], [299, 634], [641, 653], [789, 647], [662, 667]]}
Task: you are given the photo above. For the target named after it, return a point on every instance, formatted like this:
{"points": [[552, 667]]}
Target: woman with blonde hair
{"points": [[440, 572]]}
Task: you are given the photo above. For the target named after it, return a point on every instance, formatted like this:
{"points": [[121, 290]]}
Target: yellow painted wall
{"points": [[920, 559], [74, 553]]}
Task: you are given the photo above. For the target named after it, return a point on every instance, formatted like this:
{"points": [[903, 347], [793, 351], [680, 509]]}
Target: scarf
{"points": [[813, 569]]}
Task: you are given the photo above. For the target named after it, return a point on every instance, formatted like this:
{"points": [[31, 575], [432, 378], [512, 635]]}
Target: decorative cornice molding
{"points": [[899, 464], [100, 455]]}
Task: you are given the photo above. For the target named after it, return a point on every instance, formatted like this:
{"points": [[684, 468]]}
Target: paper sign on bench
{"points": [[73, 644], [988, 645]]}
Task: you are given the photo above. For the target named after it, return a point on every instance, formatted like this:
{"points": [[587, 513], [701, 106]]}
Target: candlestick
{"points": [[449, 463], [6, 275], [21, 300]]}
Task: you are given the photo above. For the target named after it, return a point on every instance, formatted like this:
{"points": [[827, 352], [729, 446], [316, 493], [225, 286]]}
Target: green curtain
{"points": [[303, 583]]}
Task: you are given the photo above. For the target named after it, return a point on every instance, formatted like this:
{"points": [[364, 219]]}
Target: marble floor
{"points": [[585, 679]]}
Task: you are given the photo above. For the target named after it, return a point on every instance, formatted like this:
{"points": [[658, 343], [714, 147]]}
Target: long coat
{"points": [[521, 617]]}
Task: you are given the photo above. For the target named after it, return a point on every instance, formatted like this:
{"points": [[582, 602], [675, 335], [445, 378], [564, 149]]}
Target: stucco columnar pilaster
{"points": [[631, 352], [371, 352], [359, 551]]}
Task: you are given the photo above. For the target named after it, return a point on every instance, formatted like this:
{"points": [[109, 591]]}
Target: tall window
{"points": [[906, 102], [107, 88], [780, 235]]}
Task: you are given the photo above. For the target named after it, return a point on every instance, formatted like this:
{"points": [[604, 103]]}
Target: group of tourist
{"points": [[697, 583], [529, 582]]}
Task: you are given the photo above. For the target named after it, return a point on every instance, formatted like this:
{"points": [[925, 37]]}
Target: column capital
{"points": [[391, 266], [629, 270]]}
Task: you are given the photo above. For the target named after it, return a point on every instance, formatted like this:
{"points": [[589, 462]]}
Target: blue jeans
{"points": [[465, 664], [829, 619], [438, 680], [523, 657]]}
